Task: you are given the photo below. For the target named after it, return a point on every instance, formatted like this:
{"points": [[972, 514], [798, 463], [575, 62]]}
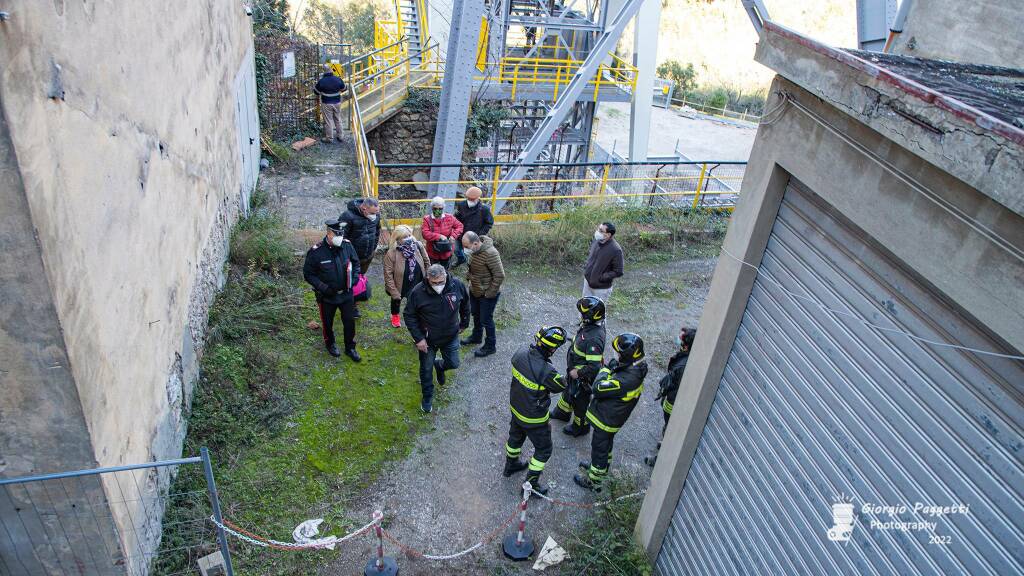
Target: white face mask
{"points": [[598, 236], [437, 288], [337, 240], [469, 251], [472, 203], [372, 217]]}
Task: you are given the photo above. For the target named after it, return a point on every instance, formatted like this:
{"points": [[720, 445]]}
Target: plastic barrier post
{"points": [[380, 565], [517, 546]]}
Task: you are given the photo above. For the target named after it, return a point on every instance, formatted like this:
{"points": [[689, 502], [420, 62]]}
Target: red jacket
{"points": [[433, 229]]}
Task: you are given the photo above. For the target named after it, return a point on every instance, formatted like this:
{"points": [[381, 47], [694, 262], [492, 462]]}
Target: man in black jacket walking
{"points": [[475, 217], [331, 268], [362, 228], [436, 311]]}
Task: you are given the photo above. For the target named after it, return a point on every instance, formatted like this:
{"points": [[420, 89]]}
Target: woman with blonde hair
{"points": [[404, 265]]}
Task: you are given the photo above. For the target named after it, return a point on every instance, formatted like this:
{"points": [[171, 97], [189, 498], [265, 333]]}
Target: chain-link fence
{"points": [[109, 521]]}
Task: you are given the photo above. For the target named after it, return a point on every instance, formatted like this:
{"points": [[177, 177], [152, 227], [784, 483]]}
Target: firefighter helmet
{"points": [[591, 308], [629, 346], [549, 338]]}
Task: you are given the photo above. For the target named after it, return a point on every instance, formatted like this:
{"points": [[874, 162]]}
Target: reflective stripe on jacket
{"points": [[534, 379], [616, 392]]}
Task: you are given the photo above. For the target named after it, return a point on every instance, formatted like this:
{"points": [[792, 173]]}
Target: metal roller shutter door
{"points": [[813, 405]]}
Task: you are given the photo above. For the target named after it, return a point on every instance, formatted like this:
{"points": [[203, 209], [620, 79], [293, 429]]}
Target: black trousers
{"points": [[347, 308], [600, 453], [364, 265], [540, 437]]}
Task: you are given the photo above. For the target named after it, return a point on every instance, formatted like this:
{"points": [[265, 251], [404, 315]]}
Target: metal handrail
{"points": [[95, 471]]}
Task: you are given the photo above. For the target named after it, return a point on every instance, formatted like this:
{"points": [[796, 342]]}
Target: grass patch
{"points": [[604, 543], [639, 299], [293, 432], [647, 236]]}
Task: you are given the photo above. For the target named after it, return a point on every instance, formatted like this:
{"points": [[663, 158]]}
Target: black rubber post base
{"points": [[390, 567], [517, 551]]}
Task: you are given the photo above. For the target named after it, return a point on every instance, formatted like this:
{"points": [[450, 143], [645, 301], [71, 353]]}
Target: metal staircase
{"points": [[604, 44], [412, 23]]}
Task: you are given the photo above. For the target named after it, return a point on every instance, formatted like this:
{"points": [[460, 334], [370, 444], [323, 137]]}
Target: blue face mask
{"points": [[679, 341]]}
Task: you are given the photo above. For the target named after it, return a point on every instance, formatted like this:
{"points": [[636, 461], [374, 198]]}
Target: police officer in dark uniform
{"points": [[583, 361], [668, 386], [533, 380], [332, 269], [616, 392]]}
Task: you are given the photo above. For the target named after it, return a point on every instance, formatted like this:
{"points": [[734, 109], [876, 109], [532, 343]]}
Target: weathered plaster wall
{"points": [[979, 32], [123, 124]]}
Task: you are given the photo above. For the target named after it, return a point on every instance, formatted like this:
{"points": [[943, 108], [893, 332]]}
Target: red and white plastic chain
{"points": [[262, 542]]}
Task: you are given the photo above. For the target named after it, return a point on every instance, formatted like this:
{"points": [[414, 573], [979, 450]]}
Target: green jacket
{"points": [[485, 270]]}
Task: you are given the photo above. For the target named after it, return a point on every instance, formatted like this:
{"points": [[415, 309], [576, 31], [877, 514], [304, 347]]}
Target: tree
{"points": [[684, 77], [270, 17], [320, 24]]}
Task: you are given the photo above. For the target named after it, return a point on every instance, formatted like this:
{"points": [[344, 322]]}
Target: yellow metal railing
{"points": [[556, 73], [687, 184]]}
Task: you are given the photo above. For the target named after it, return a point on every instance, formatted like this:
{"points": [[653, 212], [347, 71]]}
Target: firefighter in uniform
{"points": [[533, 380], [331, 268], [668, 386], [616, 392], [583, 361]]}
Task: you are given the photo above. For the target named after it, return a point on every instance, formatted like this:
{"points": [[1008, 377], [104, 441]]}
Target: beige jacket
{"points": [[394, 268]]}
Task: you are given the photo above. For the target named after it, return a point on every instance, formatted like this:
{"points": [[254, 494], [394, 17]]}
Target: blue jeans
{"points": [[450, 356], [483, 318]]}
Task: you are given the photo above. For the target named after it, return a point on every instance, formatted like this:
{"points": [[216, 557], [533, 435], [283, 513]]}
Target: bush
{"points": [[645, 234], [605, 543], [263, 242]]}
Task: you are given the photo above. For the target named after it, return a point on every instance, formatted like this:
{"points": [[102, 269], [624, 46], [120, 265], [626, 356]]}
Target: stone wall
{"points": [[124, 172]]}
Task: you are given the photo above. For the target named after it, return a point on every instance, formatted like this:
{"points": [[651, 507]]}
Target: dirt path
{"points": [[450, 492], [315, 185]]}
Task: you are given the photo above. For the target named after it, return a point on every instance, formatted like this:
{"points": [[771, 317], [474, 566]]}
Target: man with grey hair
{"points": [[330, 88], [436, 312]]}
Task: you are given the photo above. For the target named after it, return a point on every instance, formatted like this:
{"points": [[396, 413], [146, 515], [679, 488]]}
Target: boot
{"points": [[584, 464], [582, 479], [333, 350], [473, 339], [651, 460], [484, 351], [576, 431], [534, 479], [513, 465]]}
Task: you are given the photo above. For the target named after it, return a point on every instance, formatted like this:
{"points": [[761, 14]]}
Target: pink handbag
{"points": [[360, 288]]}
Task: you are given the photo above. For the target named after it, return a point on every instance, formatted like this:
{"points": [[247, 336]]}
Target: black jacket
{"points": [[669, 383], [534, 379], [587, 352], [331, 271], [362, 231], [616, 392], [330, 84], [437, 317], [476, 219]]}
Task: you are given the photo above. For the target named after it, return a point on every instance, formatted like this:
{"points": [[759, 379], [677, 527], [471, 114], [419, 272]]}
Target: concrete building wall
{"points": [[932, 200], [979, 32], [119, 190]]}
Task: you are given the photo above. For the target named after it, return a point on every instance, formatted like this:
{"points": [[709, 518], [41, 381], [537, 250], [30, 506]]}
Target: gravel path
{"points": [[449, 492]]}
